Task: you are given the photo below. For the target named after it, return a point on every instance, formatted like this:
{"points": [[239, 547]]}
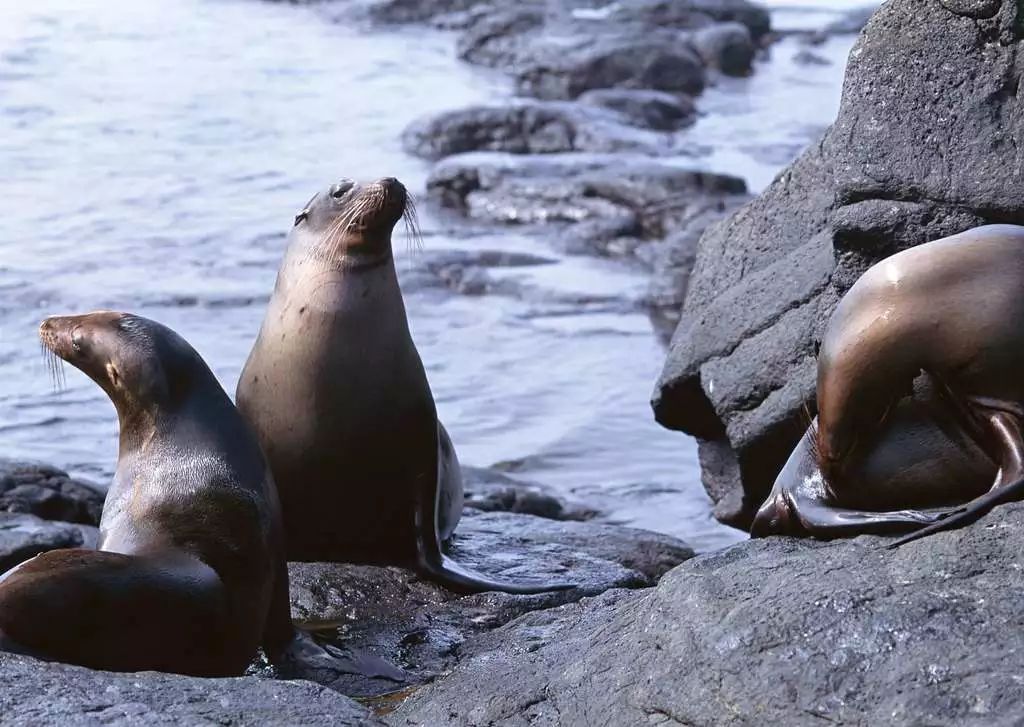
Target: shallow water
{"points": [[154, 158]]}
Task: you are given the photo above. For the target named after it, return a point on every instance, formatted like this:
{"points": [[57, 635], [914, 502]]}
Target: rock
{"points": [[623, 194], [498, 39], [553, 71], [727, 47], [654, 110], [492, 491], [23, 536], [528, 128], [37, 693], [775, 631], [45, 491], [805, 57], [391, 617], [927, 143]]}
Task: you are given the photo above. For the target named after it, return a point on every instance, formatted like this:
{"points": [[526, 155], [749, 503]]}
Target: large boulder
{"points": [[37, 693], [775, 631], [405, 631], [927, 143]]}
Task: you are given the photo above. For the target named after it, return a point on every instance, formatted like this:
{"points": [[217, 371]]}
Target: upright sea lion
{"points": [[190, 574], [337, 394], [952, 309]]}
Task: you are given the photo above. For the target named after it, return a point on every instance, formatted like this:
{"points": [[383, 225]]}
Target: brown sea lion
{"points": [[337, 394], [190, 575], [916, 464], [951, 309]]}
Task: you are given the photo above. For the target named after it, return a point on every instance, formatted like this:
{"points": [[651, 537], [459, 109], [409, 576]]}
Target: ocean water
{"points": [[153, 159]]}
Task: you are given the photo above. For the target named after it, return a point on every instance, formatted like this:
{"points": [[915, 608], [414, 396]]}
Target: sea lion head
{"points": [[349, 220], [139, 363]]}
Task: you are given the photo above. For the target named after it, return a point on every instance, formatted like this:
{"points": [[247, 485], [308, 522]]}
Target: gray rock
{"points": [[727, 47], [621, 193], [776, 631], [655, 110], [927, 143], [37, 693], [553, 71], [23, 536], [48, 492], [528, 128], [390, 617], [492, 491]]}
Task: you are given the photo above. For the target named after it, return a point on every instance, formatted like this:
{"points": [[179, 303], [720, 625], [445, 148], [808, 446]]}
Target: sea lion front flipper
{"points": [[432, 563]]}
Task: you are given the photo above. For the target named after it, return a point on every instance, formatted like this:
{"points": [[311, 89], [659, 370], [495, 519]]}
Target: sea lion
{"points": [[952, 310], [190, 575], [338, 397], [915, 466]]}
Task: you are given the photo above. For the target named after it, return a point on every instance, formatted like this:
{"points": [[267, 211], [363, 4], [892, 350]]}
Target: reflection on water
{"points": [[154, 157]]}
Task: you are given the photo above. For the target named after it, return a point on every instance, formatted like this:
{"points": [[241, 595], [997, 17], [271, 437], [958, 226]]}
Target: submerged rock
{"points": [[727, 47], [775, 631], [926, 144], [37, 692], [391, 619], [48, 492]]}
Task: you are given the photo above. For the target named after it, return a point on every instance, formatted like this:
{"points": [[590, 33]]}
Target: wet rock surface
{"points": [[925, 145], [536, 128], [775, 631], [390, 617], [48, 492], [37, 693], [23, 536]]}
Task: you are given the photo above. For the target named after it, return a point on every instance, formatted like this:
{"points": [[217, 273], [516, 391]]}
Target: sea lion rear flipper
{"points": [[304, 658], [431, 561]]}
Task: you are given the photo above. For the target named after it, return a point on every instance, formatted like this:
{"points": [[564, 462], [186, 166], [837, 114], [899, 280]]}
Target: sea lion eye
{"points": [[341, 188], [76, 341]]}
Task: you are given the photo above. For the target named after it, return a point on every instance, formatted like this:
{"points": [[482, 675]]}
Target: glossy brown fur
{"points": [[337, 394], [190, 573], [951, 309]]}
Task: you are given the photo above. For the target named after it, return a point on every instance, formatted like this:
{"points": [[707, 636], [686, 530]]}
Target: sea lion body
{"points": [[951, 309], [337, 394], [190, 575]]}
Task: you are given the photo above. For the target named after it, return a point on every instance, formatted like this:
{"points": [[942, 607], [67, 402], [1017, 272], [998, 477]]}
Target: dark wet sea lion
{"points": [[952, 309], [337, 394], [914, 466], [190, 573]]}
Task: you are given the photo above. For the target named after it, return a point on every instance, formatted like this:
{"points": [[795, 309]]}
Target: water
{"points": [[154, 158]]}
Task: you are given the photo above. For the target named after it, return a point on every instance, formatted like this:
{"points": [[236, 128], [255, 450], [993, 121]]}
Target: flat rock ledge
{"points": [[776, 631], [37, 693], [403, 624]]}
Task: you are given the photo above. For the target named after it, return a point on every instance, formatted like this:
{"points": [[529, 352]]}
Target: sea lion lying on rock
{"points": [[952, 309]]}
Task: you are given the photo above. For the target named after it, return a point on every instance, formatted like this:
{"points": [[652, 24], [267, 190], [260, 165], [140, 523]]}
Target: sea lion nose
{"points": [[389, 183], [341, 188]]}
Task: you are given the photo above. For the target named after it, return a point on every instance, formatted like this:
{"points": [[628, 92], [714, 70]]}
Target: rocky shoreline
{"points": [[796, 632]]}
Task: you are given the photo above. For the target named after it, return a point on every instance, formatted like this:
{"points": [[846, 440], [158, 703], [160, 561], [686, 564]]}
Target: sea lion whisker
{"points": [[413, 236]]}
